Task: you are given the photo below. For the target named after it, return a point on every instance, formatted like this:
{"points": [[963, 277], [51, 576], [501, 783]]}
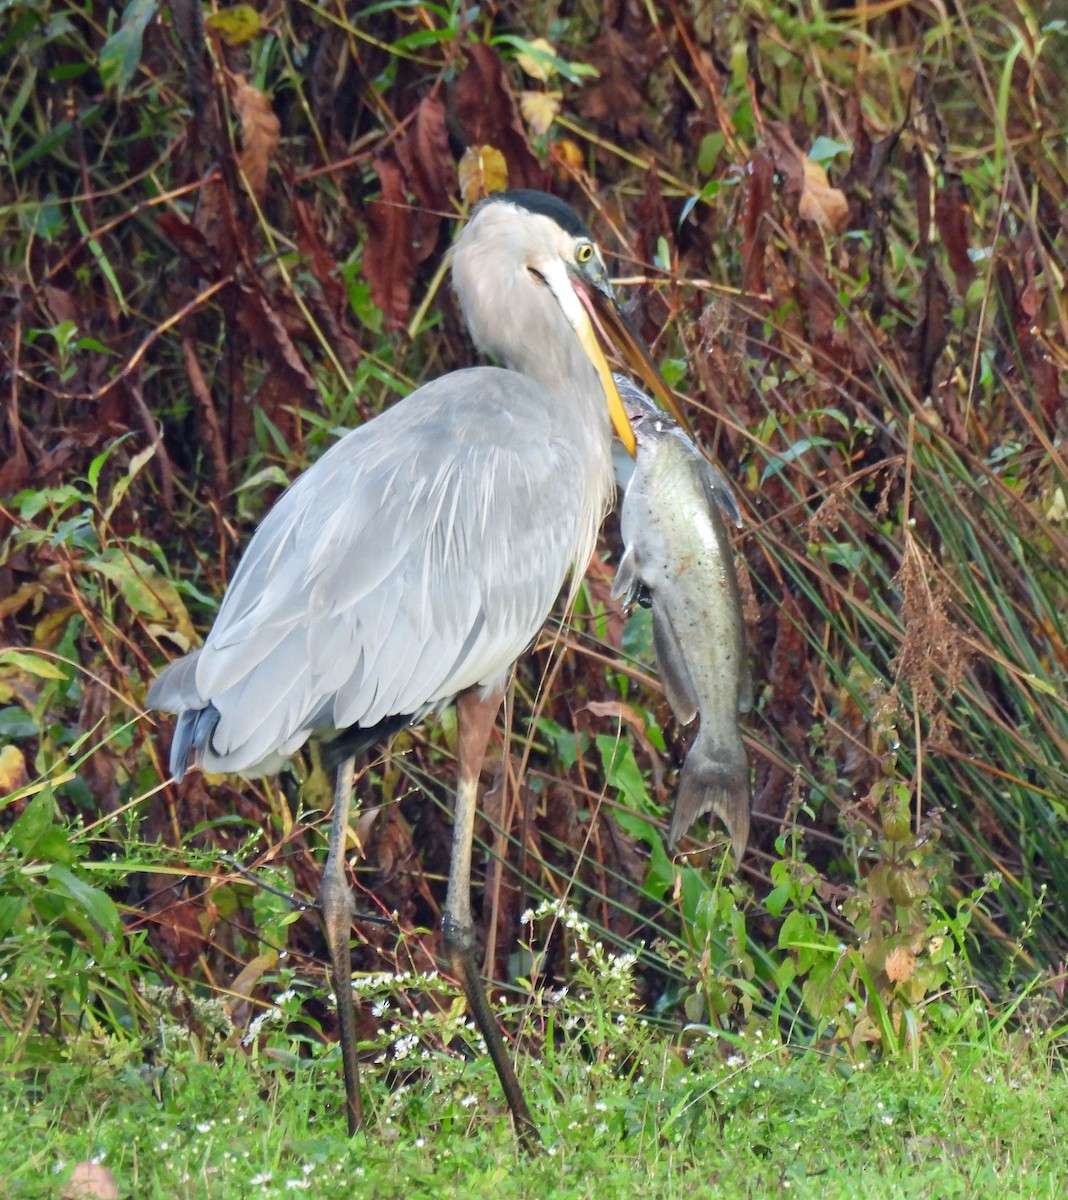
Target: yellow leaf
{"points": [[535, 66], [13, 772], [1058, 509], [482, 171], [235, 25], [540, 109], [566, 154], [26, 592]]}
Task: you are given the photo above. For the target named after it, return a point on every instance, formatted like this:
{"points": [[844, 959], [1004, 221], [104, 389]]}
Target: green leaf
{"points": [[97, 905], [776, 901], [790, 454], [54, 846], [235, 25], [95, 467], [120, 55], [709, 151], [36, 818], [621, 771], [32, 664], [10, 910], [825, 150]]}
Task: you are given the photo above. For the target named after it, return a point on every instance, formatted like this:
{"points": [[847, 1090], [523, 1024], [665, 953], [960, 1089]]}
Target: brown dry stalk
{"points": [[933, 645]]}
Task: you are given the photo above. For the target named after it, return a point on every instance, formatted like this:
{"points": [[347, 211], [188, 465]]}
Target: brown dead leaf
{"points": [[317, 254], [757, 203], [260, 131], [953, 216], [806, 182], [482, 172], [91, 1181], [388, 258], [428, 164], [615, 99], [269, 335], [483, 104], [191, 242], [210, 429], [900, 965], [63, 304], [237, 999], [826, 206], [931, 330]]}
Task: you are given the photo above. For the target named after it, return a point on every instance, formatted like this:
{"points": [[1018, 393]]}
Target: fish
{"points": [[678, 560]]}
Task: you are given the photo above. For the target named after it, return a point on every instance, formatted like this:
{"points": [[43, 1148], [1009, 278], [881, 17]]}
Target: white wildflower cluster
{"points": [[404, 1045], [563, 913], [268, 1017], [378, 981]]}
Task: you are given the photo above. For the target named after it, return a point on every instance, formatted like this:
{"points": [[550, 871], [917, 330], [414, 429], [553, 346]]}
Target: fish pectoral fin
{"points": [[719, 492], [674, 673], [745, 687], [627, 586]]}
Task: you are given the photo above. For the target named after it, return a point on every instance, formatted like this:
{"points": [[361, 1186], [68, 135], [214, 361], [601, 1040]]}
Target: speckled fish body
{"points": [[678, 559]]}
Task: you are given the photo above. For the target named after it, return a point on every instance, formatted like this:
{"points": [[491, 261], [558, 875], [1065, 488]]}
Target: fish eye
{"points": [[584, 252]]}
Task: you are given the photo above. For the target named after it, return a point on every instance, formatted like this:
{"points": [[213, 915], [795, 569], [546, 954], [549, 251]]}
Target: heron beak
{"points": [[617, 413], [615, 330]]}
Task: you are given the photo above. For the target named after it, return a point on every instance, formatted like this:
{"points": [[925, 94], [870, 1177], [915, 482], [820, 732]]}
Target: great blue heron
{"points": [[415, 561]]}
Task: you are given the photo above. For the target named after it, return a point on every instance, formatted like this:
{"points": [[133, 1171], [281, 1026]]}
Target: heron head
{"points": [[518, 238]]}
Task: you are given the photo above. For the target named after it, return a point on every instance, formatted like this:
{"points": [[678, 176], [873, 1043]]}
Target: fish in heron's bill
{"points": [[678, 560]]}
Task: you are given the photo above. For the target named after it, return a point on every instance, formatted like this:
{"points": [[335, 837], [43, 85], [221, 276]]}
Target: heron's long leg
{"points": [[475, 722], [335, 897]]}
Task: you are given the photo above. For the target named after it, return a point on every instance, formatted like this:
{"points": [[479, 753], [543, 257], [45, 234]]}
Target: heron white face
{"points": [[516, 252]]}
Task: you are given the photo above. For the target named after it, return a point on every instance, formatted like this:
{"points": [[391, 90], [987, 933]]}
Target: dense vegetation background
{"points": [[843, 232]]}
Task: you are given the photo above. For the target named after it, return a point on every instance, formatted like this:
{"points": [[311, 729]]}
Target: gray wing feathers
{"points": [[417, 558]]}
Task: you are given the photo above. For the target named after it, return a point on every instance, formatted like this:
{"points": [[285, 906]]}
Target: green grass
{"points": [[969, 1122]]}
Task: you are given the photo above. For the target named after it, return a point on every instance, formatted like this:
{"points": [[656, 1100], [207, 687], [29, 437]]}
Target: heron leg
{"points": [[335, 898], [475, 722]]}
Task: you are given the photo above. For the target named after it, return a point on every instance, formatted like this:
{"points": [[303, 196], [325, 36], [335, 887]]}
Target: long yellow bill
{"points": [[616, 411], [615, 331]]}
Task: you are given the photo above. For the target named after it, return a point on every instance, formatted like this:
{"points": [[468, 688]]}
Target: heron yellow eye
{"points": [[584, 252]]}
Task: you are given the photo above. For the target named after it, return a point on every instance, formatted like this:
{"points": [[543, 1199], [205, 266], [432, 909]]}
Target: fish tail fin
{"points": [[716, 780]]}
